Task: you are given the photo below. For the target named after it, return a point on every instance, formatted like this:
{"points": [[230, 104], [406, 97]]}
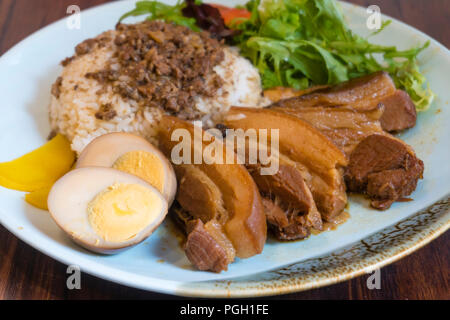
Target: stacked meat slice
{"points": [[353, 110], [287, 189], [218, 204], [357, 116], [309, 184], [329, 140]]}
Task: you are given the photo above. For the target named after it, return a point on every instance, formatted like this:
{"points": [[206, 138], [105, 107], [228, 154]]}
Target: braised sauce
{"points": [[332, 225]]}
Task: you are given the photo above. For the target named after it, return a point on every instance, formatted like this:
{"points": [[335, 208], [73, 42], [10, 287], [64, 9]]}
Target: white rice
{"points": [[73, 113]]}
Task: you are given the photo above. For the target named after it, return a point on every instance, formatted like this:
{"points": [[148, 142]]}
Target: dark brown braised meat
{"points": [[349, 112], [223, 197], [363, 93], [288, 202], [399, 112], [345, 126], [161, 65], [205, 252], [287, 185], [206, 246], [384, 168], [355, 116], [313, 154], [285, 226], [308, 185]]}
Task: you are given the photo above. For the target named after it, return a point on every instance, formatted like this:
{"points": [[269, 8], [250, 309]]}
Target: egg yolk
{"points": [[121, 211], [145, 165]]}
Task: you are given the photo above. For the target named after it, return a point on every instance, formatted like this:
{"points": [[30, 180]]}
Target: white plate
{"points": [[26, 74]]}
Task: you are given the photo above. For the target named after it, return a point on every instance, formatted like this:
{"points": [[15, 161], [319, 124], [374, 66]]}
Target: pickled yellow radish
{"points": [[40, 168], [38, 198]]}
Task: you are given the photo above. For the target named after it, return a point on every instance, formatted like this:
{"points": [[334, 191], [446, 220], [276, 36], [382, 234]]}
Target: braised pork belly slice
{"points": [[223, 193], [206, 246], [399, 112], [198, 194], [363, 93], [280, 93], [290, 208], [285, 226], [344, 126], [318, 160], [384, 168], [349, 129]]}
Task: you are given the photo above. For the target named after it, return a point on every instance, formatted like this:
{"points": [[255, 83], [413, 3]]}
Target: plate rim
{"points": [[172, 287], [272, 287]]}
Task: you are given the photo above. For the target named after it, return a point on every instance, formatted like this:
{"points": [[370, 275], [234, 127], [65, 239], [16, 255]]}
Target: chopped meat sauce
{"points": [[88, 45], [106, 112], [67, 61], [56, 87], [161, 65], [85, 47]]}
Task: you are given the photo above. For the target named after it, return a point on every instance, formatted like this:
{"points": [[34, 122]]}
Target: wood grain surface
{"points": [[25, 273]]}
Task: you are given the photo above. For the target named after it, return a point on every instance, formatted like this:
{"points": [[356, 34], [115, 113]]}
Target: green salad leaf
{"points": [[160, 11], [299, 43]]}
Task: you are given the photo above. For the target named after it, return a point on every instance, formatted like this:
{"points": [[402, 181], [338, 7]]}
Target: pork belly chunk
{"points": [[384, 168], [203, 250], [288, 203], [399, 112]]}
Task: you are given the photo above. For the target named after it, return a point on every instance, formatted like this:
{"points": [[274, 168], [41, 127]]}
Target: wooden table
{"points": [[25, 273]]}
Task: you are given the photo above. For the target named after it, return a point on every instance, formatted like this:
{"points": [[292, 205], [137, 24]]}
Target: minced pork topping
{"points": [[158, 65]]}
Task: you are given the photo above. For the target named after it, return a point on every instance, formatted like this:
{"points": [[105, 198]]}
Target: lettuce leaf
{"points": [[299, 43], [160, 11]]}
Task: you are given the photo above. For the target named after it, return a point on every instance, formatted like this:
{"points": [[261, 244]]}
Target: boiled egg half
{"points": [[132, 154], [106, 210]]}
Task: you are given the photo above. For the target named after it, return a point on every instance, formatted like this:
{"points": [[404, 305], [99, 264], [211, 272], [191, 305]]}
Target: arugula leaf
{"points": [[160, 11], [300, 43]]}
